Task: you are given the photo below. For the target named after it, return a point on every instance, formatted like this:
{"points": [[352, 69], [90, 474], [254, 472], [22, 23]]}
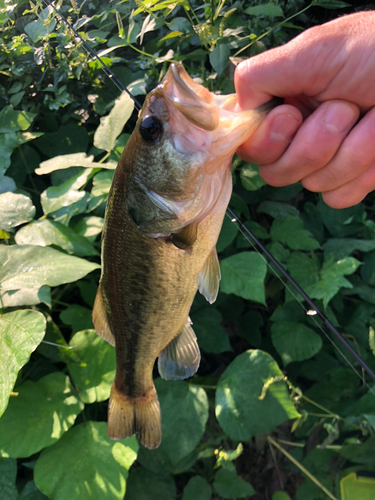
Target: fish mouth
{"points": [[194, 101]]}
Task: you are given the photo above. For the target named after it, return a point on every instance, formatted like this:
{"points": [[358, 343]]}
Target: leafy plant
{"points": [[271, 385]]}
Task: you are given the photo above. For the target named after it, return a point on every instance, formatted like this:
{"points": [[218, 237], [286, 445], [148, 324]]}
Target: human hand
{"points": [[327, 77]]}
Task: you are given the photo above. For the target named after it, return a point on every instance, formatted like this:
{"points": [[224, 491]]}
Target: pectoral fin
{"points": [[186, 237], [181, 358], [99, 318], [208, 280]]}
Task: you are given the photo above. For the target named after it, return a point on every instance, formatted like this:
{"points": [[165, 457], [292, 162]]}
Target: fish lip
{"points": [[194, 101]]}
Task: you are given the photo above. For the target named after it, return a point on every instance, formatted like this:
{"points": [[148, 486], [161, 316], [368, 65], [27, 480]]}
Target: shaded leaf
{"points": [[68, 139], [343, 247], [77, 317], [266, 9], [20, 334], [290, 232], [94, 376], [31, 492], [243, 274], [26, 297], [41, 27], [331, 4], [41, 413], [341, 223], [47, 232], [29, 266], [227, 234], [145, 485], [96, 466], [240, 412], [277, 210], [250, 178], [228, 485], [8, 474], [219, 58], [211, 337], [197, 489], [13, 121], [294, 341]]}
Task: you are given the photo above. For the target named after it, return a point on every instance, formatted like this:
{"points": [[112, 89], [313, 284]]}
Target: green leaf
{"points": [[94, 376], [219, 58], [184, 411], [111, 125], [26, 297], [266, 9], [250, 178], [280, 495], [145, 485], [368, 269], [332, 278], [41, 413], [240, 412], [20, 334], [13, 121], [102, 183], [228, 485], [277, 210], [56, 197], [303, 269], [227, 234], [31, 492], [77, 317], [68, 139], [343, 247], [294, 341], [331, 4], [47, 232], [197, 489], [41, 27], [290, 232], [8, 474], [71, 160], [15, 209], [211, 337], [243, 274], [341, 223], [29, 266], [361, 454], [89, 226], [96, 466], [7, 184]]}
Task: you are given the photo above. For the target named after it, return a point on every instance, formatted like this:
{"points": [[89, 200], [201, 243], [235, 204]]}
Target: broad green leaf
{"points": [[266, 9], [31, 492], [111, 125], [89, 226], [94, 376], [211, 337], [219, 58], [13, 121], [343, 247], [8, 142], [20, 334], [146, 485], [243, 274], [77, 317], [368, 269], [294, 341], [227, 234], [290, 232], [277, 210], [303, 269], [26, 297], [8, 474], [102, 183], [38, 416], [71, 160], [68, 139], [280, 495], [362, 454], [7, 184], [331, 4], [197, 489], [65, 214], [245, 241], [250, 178], [15, 209], [240, 412], [41, 27], [96, 466], [184, 411], [56, 197], [332, 278], [47, 232], [180, 24], [28, 266], [341, 223], [228, 485]]}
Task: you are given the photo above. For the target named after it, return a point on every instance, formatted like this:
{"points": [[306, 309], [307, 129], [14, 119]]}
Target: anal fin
{"points": [[99, 318], [181, 358], [208, 280]]}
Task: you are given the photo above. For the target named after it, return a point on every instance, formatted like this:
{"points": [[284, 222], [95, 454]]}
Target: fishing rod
{"points": [[234, 217]]}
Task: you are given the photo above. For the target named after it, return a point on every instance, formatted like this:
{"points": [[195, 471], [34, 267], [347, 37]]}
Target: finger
{"points": [[352, 192], [355, 156], [273, 136], [314, 144]]}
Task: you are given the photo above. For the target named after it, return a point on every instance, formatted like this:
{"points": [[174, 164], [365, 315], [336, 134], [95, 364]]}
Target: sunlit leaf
{"points": [[13, 121], [71, 160], [20, 334], [25, 297], [15, 209]]}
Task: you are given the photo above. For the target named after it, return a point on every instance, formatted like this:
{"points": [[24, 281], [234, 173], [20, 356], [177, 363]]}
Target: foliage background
{"points": [[269, 378]]}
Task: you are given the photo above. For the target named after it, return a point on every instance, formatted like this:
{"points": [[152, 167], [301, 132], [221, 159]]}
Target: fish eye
{"points": [[150, 128]]}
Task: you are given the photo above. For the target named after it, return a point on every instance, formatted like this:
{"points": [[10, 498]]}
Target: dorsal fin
{"points": [[99, 318], [181, 358], [208, 280]]}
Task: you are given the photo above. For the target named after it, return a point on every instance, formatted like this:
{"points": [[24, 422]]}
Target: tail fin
{"points": [[140, 416]]}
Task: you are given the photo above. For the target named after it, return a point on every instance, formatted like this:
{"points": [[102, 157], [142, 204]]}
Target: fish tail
{"points": [[140, 416]]}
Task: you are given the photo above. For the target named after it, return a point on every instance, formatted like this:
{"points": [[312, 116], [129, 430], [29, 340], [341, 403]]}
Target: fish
{"points": [[164, 213]]}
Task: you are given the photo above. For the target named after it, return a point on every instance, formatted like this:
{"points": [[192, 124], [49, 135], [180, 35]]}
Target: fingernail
{"points": [[283, 128], [339, 116]]}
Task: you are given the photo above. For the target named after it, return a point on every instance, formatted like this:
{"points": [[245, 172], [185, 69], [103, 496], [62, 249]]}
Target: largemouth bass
{"points": [[164, 213]]}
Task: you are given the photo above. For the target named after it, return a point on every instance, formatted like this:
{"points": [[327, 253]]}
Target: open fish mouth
{"points": [[194, 101]]}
